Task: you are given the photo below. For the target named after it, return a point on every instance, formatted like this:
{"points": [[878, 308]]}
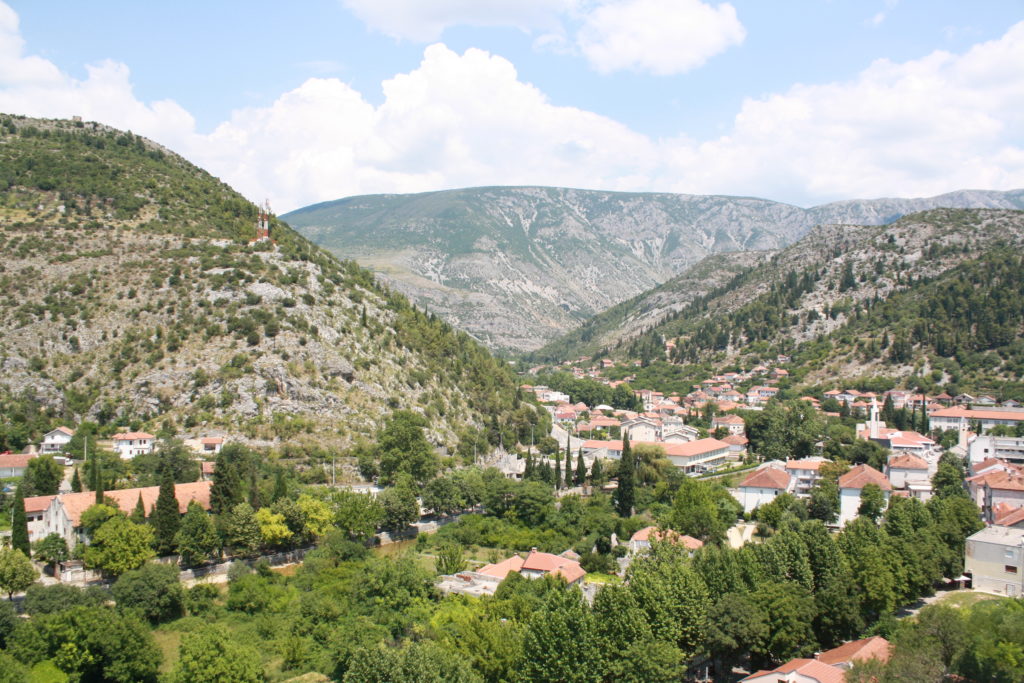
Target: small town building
{"points": [[733, 423], [56, 441], [762, 486], [640, 542], [806, 473], [130, 444], [993, 558], [14, 464], [852, 484]]}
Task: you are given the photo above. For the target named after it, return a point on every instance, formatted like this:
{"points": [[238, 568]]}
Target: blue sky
{"points": [[802, 101]]}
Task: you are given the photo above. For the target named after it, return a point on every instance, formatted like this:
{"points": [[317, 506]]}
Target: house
{"points": [[806, 474], [799, 671], [1001, 487], [642, 428], [206, 469], [733, 423], [700, 455], [35, 507], [906, 468], [1008, 448], [762, 486], [850, 486], [993, 558], [640, 542], [679, 433], [57, 440], [63, 514], [14, 464], [737, 446], [211, 444], [1009, 516], [949, 418], [538, 564], [502, 569], [130, 444]]}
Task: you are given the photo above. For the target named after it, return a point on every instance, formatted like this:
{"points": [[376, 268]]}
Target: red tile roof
{"points": [[908, 461], [501, 569], [131, 436], [37, 503], [971, 414], [875, 647], [16, 460], [1012, 518], [646, 534], [861, 475], [570, 570], [767, 478], [211, 440], [805, 464], [808, 669], [77, 503]]}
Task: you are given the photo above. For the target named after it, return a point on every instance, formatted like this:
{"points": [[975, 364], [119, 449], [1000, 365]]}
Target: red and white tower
{"points": [[263, 223]]}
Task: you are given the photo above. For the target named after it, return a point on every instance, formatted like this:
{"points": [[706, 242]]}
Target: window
{"points": [[1010, 569]]}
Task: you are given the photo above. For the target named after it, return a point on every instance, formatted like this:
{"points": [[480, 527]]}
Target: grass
{"points": [[168, 642], [602, 578], [964, 599]]}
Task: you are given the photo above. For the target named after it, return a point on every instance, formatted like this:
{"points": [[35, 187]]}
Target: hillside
{"points": [[936, 295], [520, 266], [134, 295]]}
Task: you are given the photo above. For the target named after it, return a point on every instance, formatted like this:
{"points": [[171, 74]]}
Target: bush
{"points": [[153, 589], [201, 598], [40, 599]]}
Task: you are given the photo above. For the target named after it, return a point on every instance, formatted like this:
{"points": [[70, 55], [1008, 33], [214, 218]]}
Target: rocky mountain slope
{"points": [[134, 295], [937, 295], [520, 266]]}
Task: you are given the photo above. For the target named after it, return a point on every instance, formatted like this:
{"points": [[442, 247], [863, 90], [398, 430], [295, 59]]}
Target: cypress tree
{"points": [[581, 469], [558, 470], [76, 482], [596, 473], [280, 487], [528, 468], [19, 524], [139, 513], [227, 485], [97, 477], [625, 494], [166, 518]]}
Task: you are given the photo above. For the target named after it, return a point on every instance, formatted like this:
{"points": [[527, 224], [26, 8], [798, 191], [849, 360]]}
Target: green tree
{"points": [[597, 476], [357, 515], [52, 549], [43, 476], [120, 545], [581, 470], [273, 530], [700, 509], [171, 455], [19, 523], [560, 643], [872, 502], [90, 643], [411, 663], [317, 517], [399, 505], [403, 448], [948, 481], [210, 654], [736, 626], [789, 611], [442, 496], [823, 503], [16, 571], [166, 518], [153, 589], [242, 531], [196, 539], [673, 597], [139, 511], [625, 493], [450, 559], [76, 482]]}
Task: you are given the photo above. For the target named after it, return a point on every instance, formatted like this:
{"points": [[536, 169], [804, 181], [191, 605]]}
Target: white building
{"points": [[850, 486], [949, 418], [130, 444], [806, 474], [994, 557], [762, 486], [57, 440], [1008, 448], [14, 464], [903, 470]]}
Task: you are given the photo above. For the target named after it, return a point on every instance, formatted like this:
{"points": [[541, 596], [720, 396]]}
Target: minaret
{"points": [[962, 442], [263, 222], [873, 424]]}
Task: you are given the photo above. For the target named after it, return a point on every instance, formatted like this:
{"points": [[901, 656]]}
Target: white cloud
{"points": [[426, 20], [935, 124], [663, 37]]}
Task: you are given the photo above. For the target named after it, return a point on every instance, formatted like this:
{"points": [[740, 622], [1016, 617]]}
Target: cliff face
{"points": [[520, 266]]}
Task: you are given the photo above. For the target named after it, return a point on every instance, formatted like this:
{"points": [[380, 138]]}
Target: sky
{"points": [[801, 101]]}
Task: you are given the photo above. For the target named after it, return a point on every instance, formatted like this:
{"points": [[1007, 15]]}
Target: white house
{"points": [[733, 423], [762, 486], [14, 464], [57, 440], [850, 486], [642, 428], [640, 542], [1008, 448], [994, 557], [806, 474], [130, 444], [905, 469]]}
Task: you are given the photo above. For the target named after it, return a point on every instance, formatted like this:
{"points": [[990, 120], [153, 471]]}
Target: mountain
{"points": [[937, 295], [133, 294], [520, 266]]}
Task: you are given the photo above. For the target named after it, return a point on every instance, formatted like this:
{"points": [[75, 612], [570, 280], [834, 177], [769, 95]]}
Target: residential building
{"points": [[641, 428], [902, 469], [850, 486], [57, 440], [733, 423], [993, 558], [799, 671], [14, 464], [640, 542], [762, 486], [63, 514], [1008, 448], [35, 508], [538, 564], [130, 444], [694, 456], [847, 654], [806, 473]]}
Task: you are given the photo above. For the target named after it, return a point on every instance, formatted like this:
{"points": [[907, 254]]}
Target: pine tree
{"points": [[139, 513], [596, 473], [625, 494], [227, 485], [166, 518], [76, 482], [581, 469], [19, 523]]}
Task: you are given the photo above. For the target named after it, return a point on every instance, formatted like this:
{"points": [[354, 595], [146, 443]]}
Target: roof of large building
{"points": [[652, 533], [16, 460], [805, 464], [767, 478], [907, 461], [875, 647], [1001, 535], [62, 430], [568, 569], [861, 475], [809, 670], [37, 503], [1011, 518], [131, 436], [976, 414], [77, 503], [501, 569]]}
